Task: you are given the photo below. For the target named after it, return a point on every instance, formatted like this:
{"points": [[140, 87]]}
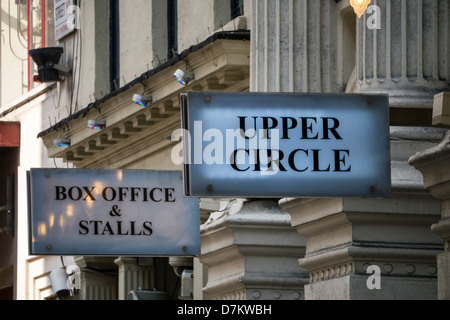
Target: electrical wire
{"points": [[77, 68], [19, 29], [10, 35]]}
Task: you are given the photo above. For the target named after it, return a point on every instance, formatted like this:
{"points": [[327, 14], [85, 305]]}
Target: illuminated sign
{"points": [[111, 212], [285, 145]]}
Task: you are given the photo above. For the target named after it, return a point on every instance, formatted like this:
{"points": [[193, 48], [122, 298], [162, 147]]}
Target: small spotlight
{"points": [[96, 125], [58, 280], [59, 143], [142, 100], [183, 77]]}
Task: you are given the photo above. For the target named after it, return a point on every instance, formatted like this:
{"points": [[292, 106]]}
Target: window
{"points": [[114, 45], [237, 8], [172, 27]]}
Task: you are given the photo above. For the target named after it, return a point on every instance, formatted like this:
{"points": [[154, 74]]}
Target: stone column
{"points": [[133, 276], [252, 253], [344, 237], [434, 165], [251, 248], [293, 48], [408, 57], [98, 278]]}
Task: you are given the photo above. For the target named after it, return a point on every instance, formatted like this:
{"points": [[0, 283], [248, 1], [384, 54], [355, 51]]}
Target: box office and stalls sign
{"points": [[285, 145], [111, 212]]}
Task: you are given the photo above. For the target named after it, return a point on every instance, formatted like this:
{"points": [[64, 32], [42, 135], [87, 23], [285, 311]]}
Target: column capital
{"points": [[252, 253]]}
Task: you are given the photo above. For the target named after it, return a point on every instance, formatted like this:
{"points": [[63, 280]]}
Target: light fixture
{"points": [[96, 124], [47, 60], [142, 100], [59, 143], [183, 77], [58, 280], [360, 6]]}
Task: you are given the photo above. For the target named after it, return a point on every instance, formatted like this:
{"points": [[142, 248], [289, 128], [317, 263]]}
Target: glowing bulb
{"points": [[360, 6]]}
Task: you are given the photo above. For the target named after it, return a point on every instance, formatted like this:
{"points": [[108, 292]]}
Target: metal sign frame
{"points": [[328, 145], [111, 213]]}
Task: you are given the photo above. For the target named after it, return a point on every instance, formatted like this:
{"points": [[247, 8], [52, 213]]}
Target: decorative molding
{"points": [[250, 247], [220, 65], [407, 58], [331, 272]]}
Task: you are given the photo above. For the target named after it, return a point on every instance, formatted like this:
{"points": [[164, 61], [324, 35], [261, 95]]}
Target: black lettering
{"points": [[277, 161], [135, 194], [257, 161], [112, 196], [169, 195], [96, 225], [115, 228], [133, 231], [123, 193], [267, 127], [78, 191], [233, 160], [292, 160], [333, 129], [242, 126], [316, 158], [287, 127], [340, 158], [148, 231], [119, 229], [61, 194], [144, 192], [307, 128], [89, 193], [84, 229], [152, 195], [270, 159], [108, 229]]}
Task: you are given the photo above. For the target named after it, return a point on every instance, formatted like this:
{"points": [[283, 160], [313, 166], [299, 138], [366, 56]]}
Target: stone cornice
{"points": [[219, 65]]}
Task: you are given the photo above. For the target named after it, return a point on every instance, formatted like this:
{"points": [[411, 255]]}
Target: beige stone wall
{"points": [[13, 57]]}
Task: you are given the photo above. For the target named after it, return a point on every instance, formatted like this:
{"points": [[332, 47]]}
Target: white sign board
{"points": [[285, 145], [66, 15], [111, 213]]}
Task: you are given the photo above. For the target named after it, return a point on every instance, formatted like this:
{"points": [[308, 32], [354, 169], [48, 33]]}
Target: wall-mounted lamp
{"points": [[65, 282], [59, 143], [183, 77], [96, 124], [360, 6], [143, 101], [47, 60], [58, 280]]}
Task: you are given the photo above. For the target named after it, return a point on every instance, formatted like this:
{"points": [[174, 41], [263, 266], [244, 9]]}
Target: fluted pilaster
{"points": [[293, 49], [408, 56]]}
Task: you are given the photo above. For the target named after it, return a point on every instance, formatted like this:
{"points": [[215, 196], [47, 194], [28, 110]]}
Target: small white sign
{"points": [[66, 15], [112, 213]]}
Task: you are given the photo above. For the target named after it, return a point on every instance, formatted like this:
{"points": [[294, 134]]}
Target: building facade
{"points": [[251, 249]]}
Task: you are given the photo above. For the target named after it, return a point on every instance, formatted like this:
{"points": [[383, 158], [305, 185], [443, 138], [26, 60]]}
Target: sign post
{"points": [[254, 145], [111, 213]]}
